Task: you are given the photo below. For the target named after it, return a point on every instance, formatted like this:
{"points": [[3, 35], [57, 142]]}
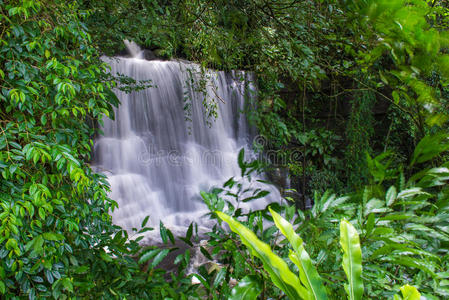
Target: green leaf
{"points": [[229, 183], [2, 287], [41, 287], [370, 224], [178, 259], [374, 206], [148, 255], [241, 161], [278, 270], [202, 280], [189, 232], [37, 279], [81, 269], [411, 192], [170, 236], [38, 244], [259, 195], [413, 262], [11, 244], [307, 272], [145, 221], [219, 277], [67, 284], [352, 260], [49, 276], [410, 293], [41, 212], [163, 232], [396, 97], [247, 289], [206, 253], [241, 157], [390, 197], [32, 294], [105, 256], [429, 147], [159, 257], [51, 236], [43, 119]]}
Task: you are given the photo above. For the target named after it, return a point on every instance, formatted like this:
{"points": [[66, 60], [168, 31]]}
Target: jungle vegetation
{"points": [[359, 88]]}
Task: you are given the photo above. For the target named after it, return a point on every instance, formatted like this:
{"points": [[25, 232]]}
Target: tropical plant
{"points": [[56, 234], [308, 284], [402, 226]]}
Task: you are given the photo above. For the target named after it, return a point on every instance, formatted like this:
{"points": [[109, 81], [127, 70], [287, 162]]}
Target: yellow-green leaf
{"points": [[410, 293], [278, 269], [307, 272], [352, 260]]}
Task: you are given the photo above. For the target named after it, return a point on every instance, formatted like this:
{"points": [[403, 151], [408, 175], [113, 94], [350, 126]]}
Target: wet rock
{"points": [[279, 177], [148, 55]]}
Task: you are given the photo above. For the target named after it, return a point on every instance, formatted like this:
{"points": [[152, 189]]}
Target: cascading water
{"points": [[156, 159]]}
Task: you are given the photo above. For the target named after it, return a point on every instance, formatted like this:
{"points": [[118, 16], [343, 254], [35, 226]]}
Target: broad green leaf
{"points": [[307, 272], [374, 206], [3, 288], [410, 293], [51, 236], [390, 197], [420, 264], [38, 244], [352, 260], [278, 269], [247, 289], [429, 147], [411, 192], [332, 202]]}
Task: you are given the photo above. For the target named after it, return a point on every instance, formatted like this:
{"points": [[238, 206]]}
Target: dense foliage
{"points": [[358, 87], [401, 225], [56, 235]]}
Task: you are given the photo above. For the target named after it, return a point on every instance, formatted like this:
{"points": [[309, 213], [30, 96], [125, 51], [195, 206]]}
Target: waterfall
{"points": [[165, 145]]}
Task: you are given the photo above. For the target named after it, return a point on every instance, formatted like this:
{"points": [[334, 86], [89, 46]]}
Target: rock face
{"points": [[144, 54], [296, 196], [148, 55], [279, 176], [288, 186]]}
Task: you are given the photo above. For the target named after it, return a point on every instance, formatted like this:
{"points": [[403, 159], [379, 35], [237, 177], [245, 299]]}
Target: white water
{"points": [[157, 161]]}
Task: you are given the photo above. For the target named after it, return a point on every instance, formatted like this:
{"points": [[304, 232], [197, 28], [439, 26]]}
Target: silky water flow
{"points": [[164, 147]]}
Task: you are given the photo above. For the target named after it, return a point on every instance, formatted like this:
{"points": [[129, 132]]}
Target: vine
{"points": [[359, 132]]}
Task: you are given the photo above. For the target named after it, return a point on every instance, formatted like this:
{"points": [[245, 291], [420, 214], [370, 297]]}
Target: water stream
{"points": [[163, 147]]}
